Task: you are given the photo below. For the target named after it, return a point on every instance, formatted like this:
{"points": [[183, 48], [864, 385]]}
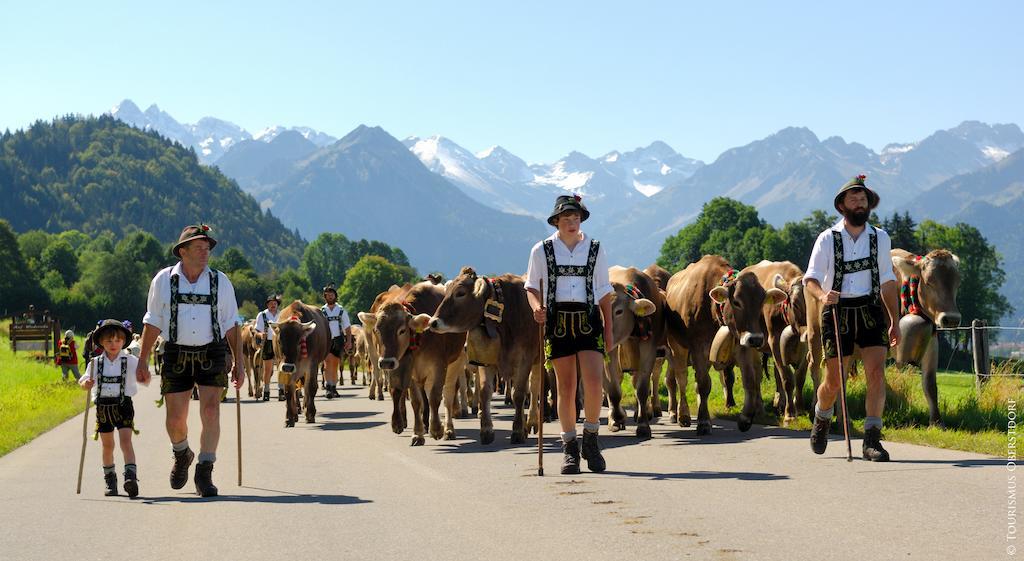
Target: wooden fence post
{"points": [[979, 348]]}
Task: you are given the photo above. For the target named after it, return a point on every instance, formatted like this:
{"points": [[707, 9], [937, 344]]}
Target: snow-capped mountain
{"points": [[210, 137], [650, 169]]}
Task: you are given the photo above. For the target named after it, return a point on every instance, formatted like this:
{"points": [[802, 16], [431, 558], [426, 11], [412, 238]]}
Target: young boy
{"points": [[67, 356], [111, 377]]}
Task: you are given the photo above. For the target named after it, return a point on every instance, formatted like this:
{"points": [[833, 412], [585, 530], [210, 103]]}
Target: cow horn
{"points": [[479, 287], [642, 307], [780, 283]]}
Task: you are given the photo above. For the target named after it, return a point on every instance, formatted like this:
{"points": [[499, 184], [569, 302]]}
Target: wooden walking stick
{"points": [[540, 395], [85, 439], [842, 379], [238, 424]]}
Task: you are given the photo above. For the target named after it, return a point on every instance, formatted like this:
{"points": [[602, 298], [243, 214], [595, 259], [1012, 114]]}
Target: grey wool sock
{"points": [[872, 422], [591, 427], [108, 469], [568, 436], [180, 446], [131, 468], [824, 414], [207, 457]]}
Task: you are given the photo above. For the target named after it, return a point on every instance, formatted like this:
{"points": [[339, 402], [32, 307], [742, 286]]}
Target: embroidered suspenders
{"points": [[101, 380], [555, 270], [336, 319], [846, 267], [194, 299]]}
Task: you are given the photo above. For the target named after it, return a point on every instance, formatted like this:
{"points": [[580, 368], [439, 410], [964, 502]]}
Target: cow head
{"points": [[626, 308], [396, 330], [288, 338], [742, 302], [939, 272], [794, 289], [463, 306]]}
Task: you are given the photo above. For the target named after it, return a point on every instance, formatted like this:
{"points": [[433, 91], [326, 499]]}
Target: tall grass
{"points": [[33, 399], [975, 421]]}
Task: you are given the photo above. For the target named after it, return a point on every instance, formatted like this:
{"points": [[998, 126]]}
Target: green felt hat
{"points": [[856, 183]]}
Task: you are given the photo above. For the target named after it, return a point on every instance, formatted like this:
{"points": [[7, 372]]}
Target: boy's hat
{"points": [[274, 297], [330, 288], [856, 183], [193, 232], [69, 334], [565, 203], [107, 324]]}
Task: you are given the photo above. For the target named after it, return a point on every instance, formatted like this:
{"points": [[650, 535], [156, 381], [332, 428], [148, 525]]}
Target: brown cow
{"points": [[416, 359], [252, 342], [660, 277], [506, 343], [692, 327], [298, 323], [358, 356], [376, 388], [781, 275], [939, 278], [638, 330]]}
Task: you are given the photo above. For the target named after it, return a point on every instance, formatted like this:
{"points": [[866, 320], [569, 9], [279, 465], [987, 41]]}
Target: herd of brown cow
{"points": [[453, 344]]}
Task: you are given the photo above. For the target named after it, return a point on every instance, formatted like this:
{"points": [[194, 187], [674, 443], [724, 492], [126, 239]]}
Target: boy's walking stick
{"points": [[842, 379], [85, 439], [540, 396]]}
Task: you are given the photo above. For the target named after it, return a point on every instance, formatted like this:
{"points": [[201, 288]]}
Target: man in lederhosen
{"points": [[852, 260], [576, 311], [267, 357], [194, 308], [341, 331]]}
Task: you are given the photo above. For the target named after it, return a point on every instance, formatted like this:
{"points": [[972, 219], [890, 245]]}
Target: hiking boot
{"points": [[111, 480], [819, 434], [131, 484], [872, 447], [592, 452], [204, 480], [266, 395], [571, 460], [179, 473], [280, 395]]}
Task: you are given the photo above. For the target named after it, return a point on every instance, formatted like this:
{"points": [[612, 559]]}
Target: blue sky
{"points": [[539, 78]]}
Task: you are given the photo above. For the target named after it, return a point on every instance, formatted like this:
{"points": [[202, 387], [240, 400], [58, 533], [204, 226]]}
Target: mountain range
{"points": [[637, 197]]}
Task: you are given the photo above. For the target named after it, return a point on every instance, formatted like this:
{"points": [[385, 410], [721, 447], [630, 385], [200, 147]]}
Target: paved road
{"points": [[348, 488]]}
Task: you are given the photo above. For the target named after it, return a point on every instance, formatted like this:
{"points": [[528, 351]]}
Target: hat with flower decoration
{"points": [[853, 184], [193, 232], [566, 203]]}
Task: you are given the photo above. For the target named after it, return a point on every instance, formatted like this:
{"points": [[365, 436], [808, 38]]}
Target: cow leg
{"points": [[613, 388], [310, 393], [656, 370], [519, 379], [784, 374], [929, 364], [434, 400], [398, 407], [672, 387], [290, 415], [642, 381], [701, 367], [799, 381], [728, 379], [751, 378], [453, 375], [680, 365], [418, 406], [485, 388]]}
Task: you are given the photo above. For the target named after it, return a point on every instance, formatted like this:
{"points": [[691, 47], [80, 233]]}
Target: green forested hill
{"points": [[99, 174]]}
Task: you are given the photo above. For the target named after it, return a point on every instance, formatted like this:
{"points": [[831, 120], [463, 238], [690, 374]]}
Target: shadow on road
{"points": [[698, 475], [349, 426], [348, 414], [284, 497]]}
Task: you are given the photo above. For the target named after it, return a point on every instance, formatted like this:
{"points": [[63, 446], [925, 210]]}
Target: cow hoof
{"points": [[486, 437], [438, 435], [517, 438], [744, 423], [657, 413], [613, 427], [643, 431], [417, 441], [684, 421], [730, 403], [449, 435], [672, 417], [289, 424], [373, 396], [703, 428], [380, 397], [475, 411], [397, 429], [937, 424], [310, 420]]}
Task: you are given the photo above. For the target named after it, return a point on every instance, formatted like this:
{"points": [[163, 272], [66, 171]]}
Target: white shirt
{"points": [[264, 317], [112, 369], [337, 327], [568, 289], [822, 264], [194, 326]]}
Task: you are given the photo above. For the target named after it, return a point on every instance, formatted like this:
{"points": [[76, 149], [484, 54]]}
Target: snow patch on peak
{"points": [[647, 190], [994, 153]]}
